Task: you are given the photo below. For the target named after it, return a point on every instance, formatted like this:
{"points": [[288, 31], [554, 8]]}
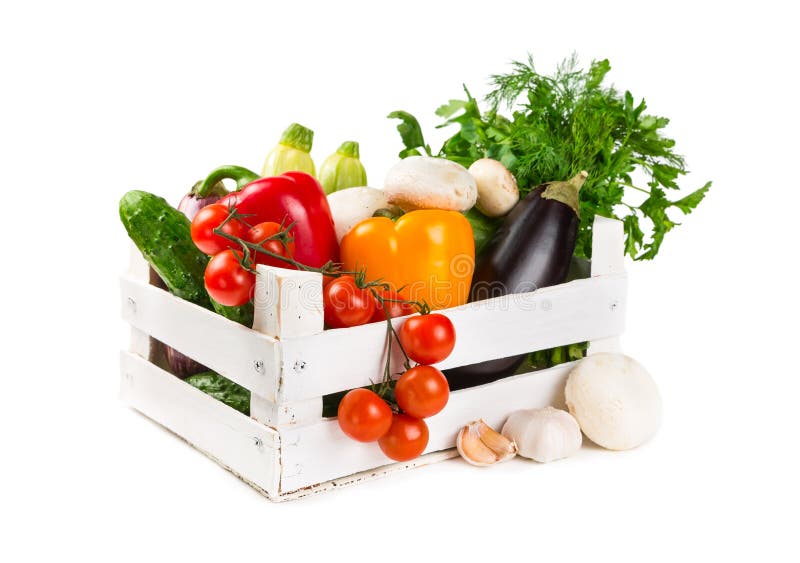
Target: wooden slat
{"points": [[285, 414], [608, 246], [608, 258], [249, 449], [288, 303], [239, 353], [581, 310], [320, 452], [368, 475]]}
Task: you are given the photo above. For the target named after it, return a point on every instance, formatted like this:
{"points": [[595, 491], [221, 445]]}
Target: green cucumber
{"points": [[162, 234], [242, 314], [222, 389]]}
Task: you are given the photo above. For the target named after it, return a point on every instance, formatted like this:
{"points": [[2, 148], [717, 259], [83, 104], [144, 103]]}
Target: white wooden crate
{"points": [[285, 448]]}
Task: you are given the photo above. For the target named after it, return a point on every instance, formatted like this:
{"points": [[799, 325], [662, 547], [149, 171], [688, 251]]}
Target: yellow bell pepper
{"points": [[428, 255]]}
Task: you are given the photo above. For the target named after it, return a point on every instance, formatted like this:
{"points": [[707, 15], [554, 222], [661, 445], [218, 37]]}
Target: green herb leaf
{"points": [[688, 203], [568, 122], [410, 133]]}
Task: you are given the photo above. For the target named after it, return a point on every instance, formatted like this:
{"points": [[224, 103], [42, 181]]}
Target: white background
{"points": [[96, 99]]}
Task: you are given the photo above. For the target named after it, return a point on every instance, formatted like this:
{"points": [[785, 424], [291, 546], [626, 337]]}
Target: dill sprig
{"points": [[561, 124]]}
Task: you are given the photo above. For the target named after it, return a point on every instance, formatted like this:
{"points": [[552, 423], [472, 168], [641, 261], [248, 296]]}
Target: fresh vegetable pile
{"points": [[505, 206]]}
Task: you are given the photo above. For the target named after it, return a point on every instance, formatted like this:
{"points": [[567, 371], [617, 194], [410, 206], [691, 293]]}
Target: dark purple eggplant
{"points": [[532, 249], [179, 364]]}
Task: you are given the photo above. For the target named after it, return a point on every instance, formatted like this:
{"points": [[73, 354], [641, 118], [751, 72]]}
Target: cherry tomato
{"points": [[406, 439], [346, 304], [226, 281], [364, 416], [428, 339], [262, 231], [422, 391], [395, 309], [209, 218]]}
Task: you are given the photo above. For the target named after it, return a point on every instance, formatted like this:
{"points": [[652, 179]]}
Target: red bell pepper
{"points": [[294, 197]]}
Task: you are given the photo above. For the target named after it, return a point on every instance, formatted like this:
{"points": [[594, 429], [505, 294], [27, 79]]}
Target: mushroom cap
{"points": [[352, 205], [614, 400], [497, 188], [425, 182]]}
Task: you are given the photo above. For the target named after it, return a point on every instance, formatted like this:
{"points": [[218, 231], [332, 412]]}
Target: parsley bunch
{"points": [[562, 124]]}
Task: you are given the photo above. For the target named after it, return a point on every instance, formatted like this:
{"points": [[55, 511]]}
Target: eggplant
{"points": [[191, 204], [532, 249], [179, 364]]}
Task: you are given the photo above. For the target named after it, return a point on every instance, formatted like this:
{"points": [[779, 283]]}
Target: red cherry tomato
{"points": [[226, 281], [406, 439], [209, 218], [346, 304], [364, 416], [396, 309], [428, 339], [422, 391], [261, 232]]}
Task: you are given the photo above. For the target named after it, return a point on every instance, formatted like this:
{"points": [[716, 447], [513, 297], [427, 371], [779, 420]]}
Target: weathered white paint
{"points": [[292, 366], [249, 449], [285, 414], [608, 246], [288, 303], [140, 343], [241, 354], [366, 475], [608, 259], [337, 360], [320, 452]]}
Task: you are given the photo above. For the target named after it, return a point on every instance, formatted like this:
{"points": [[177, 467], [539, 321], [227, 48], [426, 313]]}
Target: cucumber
{"points": [[162, 234], [242, 314], [222, 389]]}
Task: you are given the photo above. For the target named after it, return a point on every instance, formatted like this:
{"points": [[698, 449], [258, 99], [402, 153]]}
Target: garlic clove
{"points": [[481, 445], [495, 441]]}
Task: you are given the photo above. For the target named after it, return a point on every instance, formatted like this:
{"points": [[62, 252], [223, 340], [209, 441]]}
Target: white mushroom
{"points": [[615, 401], [352, 205], [497, 187], [424, 182]]}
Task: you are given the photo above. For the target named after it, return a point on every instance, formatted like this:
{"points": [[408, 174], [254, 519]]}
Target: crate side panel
{"points": [[370, 474], [236, 442], [237, 352], [320, 452], [578, 311]]}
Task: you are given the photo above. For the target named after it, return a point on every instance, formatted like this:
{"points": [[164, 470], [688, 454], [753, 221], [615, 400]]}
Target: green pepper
{"points": [[483, 228], [342, 169], [292, 153]]}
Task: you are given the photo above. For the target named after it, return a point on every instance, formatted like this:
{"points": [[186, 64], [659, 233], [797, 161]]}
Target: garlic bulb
{"points": [[615, 401], [544, 434], [480, 445]]}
